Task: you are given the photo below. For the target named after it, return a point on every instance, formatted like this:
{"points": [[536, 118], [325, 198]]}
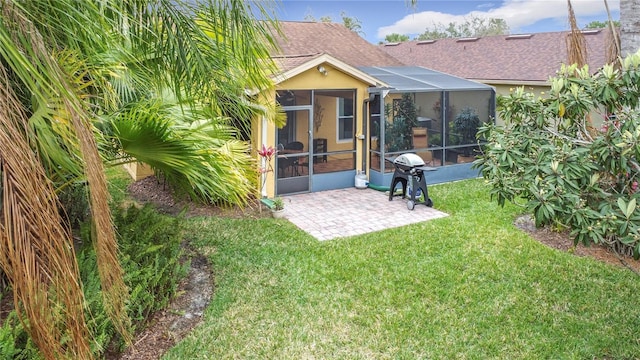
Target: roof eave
{"points": [[513, 82], [325, 58]]}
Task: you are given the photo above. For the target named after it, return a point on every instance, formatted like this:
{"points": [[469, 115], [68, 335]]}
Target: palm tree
{"points": [[69, 68], [629, 26], [192, 105]]}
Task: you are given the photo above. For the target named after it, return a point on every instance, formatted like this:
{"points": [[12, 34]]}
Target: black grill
{"points": [[410, 170]]}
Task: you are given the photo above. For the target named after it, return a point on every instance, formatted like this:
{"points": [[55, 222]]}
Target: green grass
{"points": [[469, 286]]}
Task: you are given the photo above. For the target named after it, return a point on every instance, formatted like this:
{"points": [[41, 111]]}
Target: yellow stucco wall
{"points": [[542, 91], [504, 90], [258, 130], [138, 171], [312, 79]]}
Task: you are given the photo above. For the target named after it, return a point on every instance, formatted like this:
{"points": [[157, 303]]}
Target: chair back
{"points": [[296, 145]]}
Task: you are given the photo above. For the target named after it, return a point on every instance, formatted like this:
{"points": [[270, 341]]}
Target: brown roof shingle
{"points": [[289, 62], [308, 38], [501, 58]]}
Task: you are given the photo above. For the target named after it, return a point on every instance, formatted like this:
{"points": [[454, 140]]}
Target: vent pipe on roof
{"points": [[519, 36], [590, 31]]}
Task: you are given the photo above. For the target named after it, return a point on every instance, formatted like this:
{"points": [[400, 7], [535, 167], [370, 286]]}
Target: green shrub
{"points": [[14, 341], [151, 258], [466, 124], [119, 181], [150, 250], [75, 203], [74, 199], [403, 118], [568, 174]]}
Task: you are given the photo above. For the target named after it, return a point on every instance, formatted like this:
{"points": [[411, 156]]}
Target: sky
{"points": [[379, 18]]}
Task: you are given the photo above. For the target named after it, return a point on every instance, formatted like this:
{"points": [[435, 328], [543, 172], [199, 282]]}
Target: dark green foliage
{"points": [[596, 24], [406, 109], [471, 27], [99, 324], [150, 257], [398, 135], [466, 124], [570, 176], [119, 181], [395, 37], [404, 116], [14, 342], [75, 203], [150, 251]]}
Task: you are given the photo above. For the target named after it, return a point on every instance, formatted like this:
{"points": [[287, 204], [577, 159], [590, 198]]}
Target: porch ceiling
{"points": [[419, 79]]}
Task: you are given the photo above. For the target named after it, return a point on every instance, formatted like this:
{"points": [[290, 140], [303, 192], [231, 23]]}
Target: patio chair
{"points": [[296, 145], [291, 163]]}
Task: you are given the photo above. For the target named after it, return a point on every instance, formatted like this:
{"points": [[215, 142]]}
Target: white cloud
{"points": [[517, 14], [487, 5]]}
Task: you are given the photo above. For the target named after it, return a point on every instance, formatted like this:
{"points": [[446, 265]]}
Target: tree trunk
{"points": [[629, 26]]}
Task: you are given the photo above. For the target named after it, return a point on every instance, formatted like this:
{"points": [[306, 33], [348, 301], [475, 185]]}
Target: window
{"points": [[345, 119], [287, 133], [374, 117]]}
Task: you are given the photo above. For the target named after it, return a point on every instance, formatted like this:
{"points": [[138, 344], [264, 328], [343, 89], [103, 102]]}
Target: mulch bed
{"points": [[562, 241], [154, 191]]}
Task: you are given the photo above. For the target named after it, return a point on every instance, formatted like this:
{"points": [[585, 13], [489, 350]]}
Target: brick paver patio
{"points": [[332, 214]]}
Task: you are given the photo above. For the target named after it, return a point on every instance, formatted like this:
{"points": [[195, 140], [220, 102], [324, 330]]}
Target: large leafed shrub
{"points": [[567, 173]]}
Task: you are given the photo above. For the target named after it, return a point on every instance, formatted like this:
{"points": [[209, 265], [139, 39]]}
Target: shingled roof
{"points": [[304, 40], [525, 58]]}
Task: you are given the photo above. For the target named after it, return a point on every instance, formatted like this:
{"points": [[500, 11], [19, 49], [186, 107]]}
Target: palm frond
{"points": [[28, 54], [115, 292], [36, 249], [576, 44], [214, 50], [198, 157], [68, 63]]}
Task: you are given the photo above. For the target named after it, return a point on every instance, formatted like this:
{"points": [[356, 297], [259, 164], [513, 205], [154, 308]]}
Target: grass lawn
{"points": [[469, 286]]}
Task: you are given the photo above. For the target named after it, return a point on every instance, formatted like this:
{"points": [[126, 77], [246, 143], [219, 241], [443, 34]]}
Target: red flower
{"points": [[267, 152]]}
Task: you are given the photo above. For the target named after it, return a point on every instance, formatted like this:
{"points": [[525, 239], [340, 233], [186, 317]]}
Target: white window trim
{"points": [[338, 117]]}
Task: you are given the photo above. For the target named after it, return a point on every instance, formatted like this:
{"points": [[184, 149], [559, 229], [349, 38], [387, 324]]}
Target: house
{"points": [[503, 61], [350, 107]]}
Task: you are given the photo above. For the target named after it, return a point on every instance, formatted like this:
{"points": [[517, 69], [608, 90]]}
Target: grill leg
{"points": [[398, 178], [419, 182]]}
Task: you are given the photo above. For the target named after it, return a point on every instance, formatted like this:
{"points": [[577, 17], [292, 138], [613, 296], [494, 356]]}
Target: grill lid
{"points": [[409, 160]]}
